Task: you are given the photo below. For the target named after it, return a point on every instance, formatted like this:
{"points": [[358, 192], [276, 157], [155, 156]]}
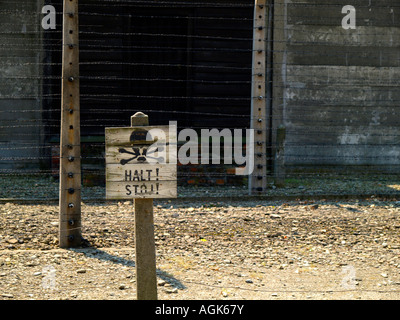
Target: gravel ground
{"points": [[42, 187], [253, 249]]}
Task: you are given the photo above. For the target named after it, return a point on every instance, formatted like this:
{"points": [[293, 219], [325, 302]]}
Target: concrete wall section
{"points": [[340, 98], [20, 84]]}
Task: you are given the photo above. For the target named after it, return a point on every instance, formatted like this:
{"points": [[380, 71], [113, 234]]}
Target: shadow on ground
{"points": [[95, 253]]}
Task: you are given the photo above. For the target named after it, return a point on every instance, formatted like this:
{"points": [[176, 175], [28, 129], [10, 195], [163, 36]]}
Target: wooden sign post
{"points": [[141, 165]]}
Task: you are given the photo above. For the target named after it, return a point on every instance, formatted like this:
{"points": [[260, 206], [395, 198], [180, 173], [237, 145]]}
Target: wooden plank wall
{"points": [[336, 90]]}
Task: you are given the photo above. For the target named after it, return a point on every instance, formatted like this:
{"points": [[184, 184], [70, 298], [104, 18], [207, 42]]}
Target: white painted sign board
{"points": [[141, 162]]}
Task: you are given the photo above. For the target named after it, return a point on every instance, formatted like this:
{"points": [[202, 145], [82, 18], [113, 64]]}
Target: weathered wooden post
{"points": [[141, 165], [70, 145], [145, 248], [279, 166], [259, 118]]}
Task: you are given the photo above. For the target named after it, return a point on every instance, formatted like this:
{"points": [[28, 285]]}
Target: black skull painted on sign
{"points": [[140, 147]]}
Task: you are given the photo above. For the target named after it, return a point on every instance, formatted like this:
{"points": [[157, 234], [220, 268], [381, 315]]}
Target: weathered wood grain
{"points": [[136, 169], [121, 136], [141, 190], [70, 149], [156, 154], [258, 119], [136, 174]]}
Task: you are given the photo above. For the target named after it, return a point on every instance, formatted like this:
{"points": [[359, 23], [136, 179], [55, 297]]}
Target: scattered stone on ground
{"points": [[216, 250]]}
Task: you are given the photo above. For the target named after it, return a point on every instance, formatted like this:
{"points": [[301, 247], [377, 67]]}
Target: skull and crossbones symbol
{"points": [[140, 153]]}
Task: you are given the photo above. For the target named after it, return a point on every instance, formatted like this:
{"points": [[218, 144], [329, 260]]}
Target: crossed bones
{"points": [[141, 154]]}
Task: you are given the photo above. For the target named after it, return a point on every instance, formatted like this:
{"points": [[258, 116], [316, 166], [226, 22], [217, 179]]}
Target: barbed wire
{"points": [[194, 64]]}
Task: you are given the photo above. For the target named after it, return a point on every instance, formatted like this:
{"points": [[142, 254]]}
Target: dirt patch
{"points": [[242, 250]]}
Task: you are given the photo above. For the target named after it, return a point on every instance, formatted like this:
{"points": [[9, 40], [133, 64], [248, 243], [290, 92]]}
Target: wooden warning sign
{"points": [[141, 162]]}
